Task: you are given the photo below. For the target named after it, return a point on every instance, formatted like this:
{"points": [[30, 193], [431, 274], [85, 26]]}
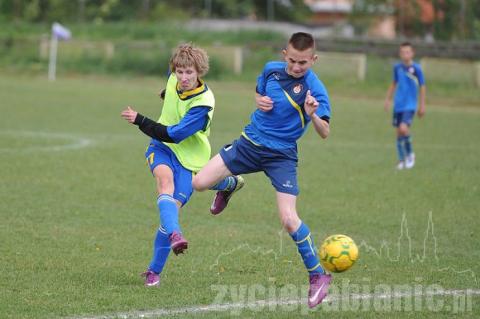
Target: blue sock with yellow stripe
{"points": [[226, 184], [307, 250], [400, 148], [408, 145], [168, 213], [161, 249]]}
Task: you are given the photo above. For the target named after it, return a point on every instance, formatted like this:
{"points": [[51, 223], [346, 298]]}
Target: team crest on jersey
{"points": [[297, 88], [411, 70]]}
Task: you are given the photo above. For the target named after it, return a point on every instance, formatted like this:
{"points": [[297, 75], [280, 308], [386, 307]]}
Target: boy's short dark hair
{"points": [[302, 41], [406, 44]]}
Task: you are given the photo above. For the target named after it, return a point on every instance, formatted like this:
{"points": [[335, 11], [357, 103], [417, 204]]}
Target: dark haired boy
{"points": [[289, 96]]}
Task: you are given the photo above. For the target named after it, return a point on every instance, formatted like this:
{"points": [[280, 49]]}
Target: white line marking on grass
{"points": [[266, 303], [73, 142]]}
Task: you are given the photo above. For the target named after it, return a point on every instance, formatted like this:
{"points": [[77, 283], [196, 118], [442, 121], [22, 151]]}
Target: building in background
{"points": [[382, 19], [329, 12]]}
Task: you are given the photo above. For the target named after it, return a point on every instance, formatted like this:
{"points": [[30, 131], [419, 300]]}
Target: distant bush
{"points": [[154, 63], [138, 48]]}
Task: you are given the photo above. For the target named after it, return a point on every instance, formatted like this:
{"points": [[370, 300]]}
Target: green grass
{"points": [[78, 221]]}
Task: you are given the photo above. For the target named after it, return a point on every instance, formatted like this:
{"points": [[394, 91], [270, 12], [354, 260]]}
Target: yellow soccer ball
{"points": [[338, 253]]}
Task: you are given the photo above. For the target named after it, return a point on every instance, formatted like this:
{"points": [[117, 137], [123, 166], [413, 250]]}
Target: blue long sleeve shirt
{"points": [[195, 120]]}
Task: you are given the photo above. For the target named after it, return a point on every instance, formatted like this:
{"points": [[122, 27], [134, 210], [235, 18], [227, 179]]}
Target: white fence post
{"points": [[52, 63], [109, 50], [362, 67], [237, 60], [477, 74]]}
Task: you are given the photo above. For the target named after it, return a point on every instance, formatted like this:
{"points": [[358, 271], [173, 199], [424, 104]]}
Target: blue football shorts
{"points": [[158, 153], [403, 117], [244, 157]]}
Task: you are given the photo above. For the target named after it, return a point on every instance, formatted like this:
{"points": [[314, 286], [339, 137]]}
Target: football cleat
{"points": [[178, 243], [318, 290], [220, 201], [151, 278], [410, 162]]}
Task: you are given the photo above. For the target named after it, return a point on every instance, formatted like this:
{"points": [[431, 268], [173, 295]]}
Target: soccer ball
{"points": [[338, 253]]}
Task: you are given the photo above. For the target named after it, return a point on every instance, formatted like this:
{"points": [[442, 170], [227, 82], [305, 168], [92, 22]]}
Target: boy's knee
{"points": [[165, 185], [403, 129], [198, 185], [290, 222]]}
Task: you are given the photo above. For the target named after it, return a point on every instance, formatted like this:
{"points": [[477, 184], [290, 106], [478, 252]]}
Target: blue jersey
{"points": [[287, 121], [408, 79], [195, 120]]}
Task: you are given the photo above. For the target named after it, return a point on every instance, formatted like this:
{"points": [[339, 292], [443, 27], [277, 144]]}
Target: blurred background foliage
{"points": [[445, 19], [147, 10], [451, 19], [136, 37]]}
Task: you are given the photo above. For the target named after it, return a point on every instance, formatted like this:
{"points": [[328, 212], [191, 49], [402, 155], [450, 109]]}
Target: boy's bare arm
{"points": [[388, 99], [321, 126], [421, 108]]}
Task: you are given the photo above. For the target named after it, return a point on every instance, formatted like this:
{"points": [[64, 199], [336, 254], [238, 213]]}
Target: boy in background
{"points": [[409, 88]]}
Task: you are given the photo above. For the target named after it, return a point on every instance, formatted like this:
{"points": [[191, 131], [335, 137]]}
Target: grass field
{"points": [[78, 213]]}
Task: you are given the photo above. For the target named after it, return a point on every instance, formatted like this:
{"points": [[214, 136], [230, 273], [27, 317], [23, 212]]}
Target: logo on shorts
{"points": [[297, 88], [288, 184], [183, 195], [276, 76], [228, 147]]}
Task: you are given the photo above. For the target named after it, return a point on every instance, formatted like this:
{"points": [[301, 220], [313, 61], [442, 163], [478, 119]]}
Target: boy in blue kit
{"points": [[407, 83], [289, 96], [179, 147]]}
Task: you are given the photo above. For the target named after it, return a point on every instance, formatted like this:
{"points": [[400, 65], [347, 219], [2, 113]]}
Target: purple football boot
{"points": [[319, 284], [178, 243], [151, 278], [220, 201]]}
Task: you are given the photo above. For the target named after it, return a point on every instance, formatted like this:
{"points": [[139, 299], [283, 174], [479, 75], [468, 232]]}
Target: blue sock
{"points": [[307, 250], [168, 213], [400, 151], [161, 249], [408, 144], [227, 184]]}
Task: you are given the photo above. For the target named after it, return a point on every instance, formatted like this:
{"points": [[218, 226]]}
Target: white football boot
{"points": [[410, 162]]}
